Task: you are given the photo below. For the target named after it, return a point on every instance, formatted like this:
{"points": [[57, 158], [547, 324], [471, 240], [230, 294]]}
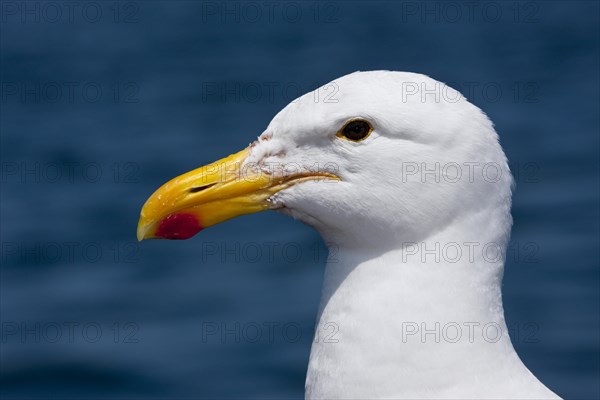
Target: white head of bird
{"points": [[407, 182]]}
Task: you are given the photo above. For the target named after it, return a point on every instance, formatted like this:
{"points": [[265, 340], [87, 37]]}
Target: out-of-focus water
{"points": [[102, 102]]}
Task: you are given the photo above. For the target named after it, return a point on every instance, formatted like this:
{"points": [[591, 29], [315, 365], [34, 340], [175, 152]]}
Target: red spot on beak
{"points": [[178, 227]]}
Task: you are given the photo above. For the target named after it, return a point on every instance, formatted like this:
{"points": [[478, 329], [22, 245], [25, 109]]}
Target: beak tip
{"points": [[142, 230]]}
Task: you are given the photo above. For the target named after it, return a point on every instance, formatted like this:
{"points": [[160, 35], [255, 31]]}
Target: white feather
{"points": [[377, 289]]}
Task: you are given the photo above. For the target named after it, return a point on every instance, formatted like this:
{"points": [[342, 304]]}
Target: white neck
{"points": [[420, 321]]}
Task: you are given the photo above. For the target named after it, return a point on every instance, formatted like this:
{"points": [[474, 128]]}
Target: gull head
{"points": [[370, 159]]}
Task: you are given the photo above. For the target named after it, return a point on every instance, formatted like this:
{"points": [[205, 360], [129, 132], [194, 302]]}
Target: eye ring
{"points": [[355, 130]]}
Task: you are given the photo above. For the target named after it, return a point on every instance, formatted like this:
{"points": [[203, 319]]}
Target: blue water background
{"points": [[183, 83]]}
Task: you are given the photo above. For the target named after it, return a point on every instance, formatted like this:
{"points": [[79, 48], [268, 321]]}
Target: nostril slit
{"points": [[201, 188]]}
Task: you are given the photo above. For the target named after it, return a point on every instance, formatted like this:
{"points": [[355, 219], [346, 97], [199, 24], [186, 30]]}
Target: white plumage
{"points": [[396, 231]]}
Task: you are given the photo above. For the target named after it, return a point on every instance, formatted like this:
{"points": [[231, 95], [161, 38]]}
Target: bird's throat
{"points": [[417, 321]]}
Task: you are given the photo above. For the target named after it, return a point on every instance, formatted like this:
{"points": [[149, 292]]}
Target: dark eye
{"points": [[356, 130]]}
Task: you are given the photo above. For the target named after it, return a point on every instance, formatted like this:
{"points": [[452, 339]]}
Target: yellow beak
{"points": [[212, 194]]}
